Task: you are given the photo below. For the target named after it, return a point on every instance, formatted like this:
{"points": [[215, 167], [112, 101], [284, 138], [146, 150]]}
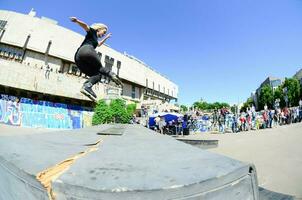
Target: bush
{"points": [[131, 108], [102, 113], [119, 111], [115, 112]]}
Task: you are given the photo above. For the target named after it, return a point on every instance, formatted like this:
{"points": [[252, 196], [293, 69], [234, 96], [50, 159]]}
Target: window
{"points": [[2, 24], [100, 55], [109, 62], [73, 69], [159, 87], [146, 82], [153, 86], [133, 92], [164, 90], [119, 64]]}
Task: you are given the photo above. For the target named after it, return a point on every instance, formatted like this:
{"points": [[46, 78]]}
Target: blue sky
{"points": [[217, 50]]}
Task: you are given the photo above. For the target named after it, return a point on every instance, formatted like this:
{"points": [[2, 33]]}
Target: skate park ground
{"points": [[276, 153]]}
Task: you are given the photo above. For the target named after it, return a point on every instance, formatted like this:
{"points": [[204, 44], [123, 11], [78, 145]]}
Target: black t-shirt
{"points": [[91, 38]]}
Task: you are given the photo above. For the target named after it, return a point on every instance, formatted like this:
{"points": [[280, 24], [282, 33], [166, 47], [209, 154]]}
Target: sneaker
{"points": [[87, 87]]}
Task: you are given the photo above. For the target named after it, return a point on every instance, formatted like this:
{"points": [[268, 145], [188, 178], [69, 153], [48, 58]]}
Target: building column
{"points": [[24, 47]]}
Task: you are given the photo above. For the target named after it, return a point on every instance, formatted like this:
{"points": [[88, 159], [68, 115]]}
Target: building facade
{"points": [[273, 82], [37, 62], [298, 75]]}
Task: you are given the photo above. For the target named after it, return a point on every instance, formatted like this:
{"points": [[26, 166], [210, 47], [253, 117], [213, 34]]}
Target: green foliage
{"points": [[293, 90], [300, 91], [131, 108], [266, 97], [234, 108], [278, 94], [102, 113], [184, 108], [202, 105], [249, 102], [119, 111], [115, 112]]}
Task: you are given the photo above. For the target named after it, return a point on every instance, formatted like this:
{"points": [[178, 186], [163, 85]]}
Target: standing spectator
{"points": [[162, 124], [270, 118], [179, 125], [242, 122], [234, 124], [156, 120], [265, 119], [258, 122], [286, 115], [296, 114], [248, 121], [221, 121]]}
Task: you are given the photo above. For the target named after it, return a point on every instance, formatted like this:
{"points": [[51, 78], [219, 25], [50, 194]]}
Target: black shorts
{"points": [[88, 61]]}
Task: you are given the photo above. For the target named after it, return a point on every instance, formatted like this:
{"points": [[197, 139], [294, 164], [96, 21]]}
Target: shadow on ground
{"points": [[270, 195]]}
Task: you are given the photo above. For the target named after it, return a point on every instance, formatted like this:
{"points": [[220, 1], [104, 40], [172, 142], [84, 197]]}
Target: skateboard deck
{"points": [[88, 95]]}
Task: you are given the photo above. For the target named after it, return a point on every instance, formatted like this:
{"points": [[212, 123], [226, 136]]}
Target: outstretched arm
{"points": [[82, 24], [104, 39]]}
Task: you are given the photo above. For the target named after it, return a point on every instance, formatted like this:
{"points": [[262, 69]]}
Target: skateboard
{"points": [[88, 95]]}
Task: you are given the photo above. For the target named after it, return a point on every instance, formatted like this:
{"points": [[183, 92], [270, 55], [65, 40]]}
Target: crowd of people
{"points": [[173, 127], [223, 120]]}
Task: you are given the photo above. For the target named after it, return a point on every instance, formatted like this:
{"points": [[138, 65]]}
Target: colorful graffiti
{"points": [[9, 110], [31, 113]]}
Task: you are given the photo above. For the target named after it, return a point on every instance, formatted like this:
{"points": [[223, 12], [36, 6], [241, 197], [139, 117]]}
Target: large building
{"points": [[30, 44], [273, 82], [298, 75]]}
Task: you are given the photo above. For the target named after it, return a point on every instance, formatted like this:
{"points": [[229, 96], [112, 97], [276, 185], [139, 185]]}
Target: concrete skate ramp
{"points": [[117, 162]]}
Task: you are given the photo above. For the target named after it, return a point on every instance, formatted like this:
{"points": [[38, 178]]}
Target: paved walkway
{"points": [[276, 153], [8, 130]]}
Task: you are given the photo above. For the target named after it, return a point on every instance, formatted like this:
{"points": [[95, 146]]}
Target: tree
{"points": [[249, 102], [131, 108], [119, 111], [115, 112], [224, 105], [202, 105], [184, 108], [301, 90], [234, 108], [266, 96], [102, 113], [293, 91], [278, 94]]}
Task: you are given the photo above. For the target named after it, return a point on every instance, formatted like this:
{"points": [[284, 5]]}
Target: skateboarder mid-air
{"points": [[86, 57]]}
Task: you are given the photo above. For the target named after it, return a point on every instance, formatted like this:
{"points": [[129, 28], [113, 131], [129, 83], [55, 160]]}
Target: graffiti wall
{"points": [[31, 113]]}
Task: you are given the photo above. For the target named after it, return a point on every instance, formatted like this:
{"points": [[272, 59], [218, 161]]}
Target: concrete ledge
{"points": [[136, 164]]}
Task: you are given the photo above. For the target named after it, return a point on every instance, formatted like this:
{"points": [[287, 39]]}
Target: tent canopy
{"points": [[169, 116]]}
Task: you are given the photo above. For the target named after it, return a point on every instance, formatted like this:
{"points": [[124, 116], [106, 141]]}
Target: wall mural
{"points": [[33, 113]]}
